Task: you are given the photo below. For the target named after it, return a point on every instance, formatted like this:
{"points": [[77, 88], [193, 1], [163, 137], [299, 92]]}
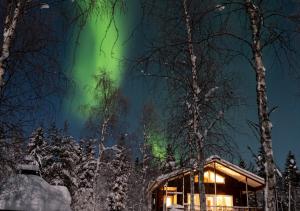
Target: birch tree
{"points": [[103, 119], [270, 26], [185, 56], [148, 167], [31, 51], [28, 72], [14, 12], [265, 124]]}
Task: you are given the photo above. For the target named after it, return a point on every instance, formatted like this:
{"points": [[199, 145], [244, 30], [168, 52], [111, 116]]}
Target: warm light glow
{"points": [[221, 200], [210, 177], [169, 189], [169, 201]]}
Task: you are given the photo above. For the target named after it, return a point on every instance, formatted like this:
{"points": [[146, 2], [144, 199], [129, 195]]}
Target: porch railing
{"points": [[217, 208]]}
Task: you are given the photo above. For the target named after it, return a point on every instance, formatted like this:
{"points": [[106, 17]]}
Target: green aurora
{"points": [[99, 49], [158, 144]]}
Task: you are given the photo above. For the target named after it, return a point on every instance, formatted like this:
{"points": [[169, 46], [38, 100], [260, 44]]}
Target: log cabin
{"points": [[228, 187]]}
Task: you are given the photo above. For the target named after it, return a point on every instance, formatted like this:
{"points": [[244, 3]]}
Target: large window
{"points": [[171, 199], [221, 200], [212, 201], [210, 177]]}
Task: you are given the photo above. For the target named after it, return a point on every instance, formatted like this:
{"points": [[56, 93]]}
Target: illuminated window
{"points": [[220, 200], [171, 200], [169, 189], [209, 177]]}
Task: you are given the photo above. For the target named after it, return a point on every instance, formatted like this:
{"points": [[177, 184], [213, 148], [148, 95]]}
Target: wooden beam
{"points": [[247, 195], [215, 184], [183, 190]]}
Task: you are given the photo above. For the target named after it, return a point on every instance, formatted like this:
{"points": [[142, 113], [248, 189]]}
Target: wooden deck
{"points": [[218, 208]]}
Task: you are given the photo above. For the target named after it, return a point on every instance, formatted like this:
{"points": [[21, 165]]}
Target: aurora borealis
{"points": [[90, 60], [158, 144], [99, 49]]}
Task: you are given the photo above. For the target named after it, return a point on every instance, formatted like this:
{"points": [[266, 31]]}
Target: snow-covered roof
{"points": [[221, 165], [31, 192], [28, 167], [235, 172]]}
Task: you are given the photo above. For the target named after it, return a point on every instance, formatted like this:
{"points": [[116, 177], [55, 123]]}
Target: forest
{"points": [[148, 105]]}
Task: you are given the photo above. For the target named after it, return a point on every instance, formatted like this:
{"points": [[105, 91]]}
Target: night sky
{"points": [[283, 89]]}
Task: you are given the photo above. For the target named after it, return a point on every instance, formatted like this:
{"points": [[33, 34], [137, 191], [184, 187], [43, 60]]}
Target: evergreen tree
{"points": [[170, 161], [242, 164], [260, 160], [290, 173], [120, 171], [37, 147], [290, 178], [85, 171], [137, 163], [57, 155]]}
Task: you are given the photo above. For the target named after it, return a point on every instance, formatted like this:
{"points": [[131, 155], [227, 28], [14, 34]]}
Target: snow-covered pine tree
{"points": [[85, 171], [38, 147], [70, 156], [260, 160], [135, 187], [51, 171], [11, 153], [242, 164], [290, 177], [170, 161], [60, 157], [290, 173], [120, 173]]}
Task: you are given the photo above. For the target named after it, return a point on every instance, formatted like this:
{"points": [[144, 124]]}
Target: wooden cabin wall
{"points": [[231, 187]]}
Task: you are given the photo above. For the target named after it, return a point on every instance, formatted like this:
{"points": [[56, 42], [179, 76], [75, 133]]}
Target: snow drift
{"points": [[33, 193]]}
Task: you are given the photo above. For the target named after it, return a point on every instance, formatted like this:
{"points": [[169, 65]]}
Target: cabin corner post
{"points": [[183, 190], [247, 194], [215, 185], [166, 196]]}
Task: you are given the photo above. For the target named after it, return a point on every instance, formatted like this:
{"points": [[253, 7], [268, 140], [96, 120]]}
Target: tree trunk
{"points": [[196, 91], [9, 32], [99, 159], [263, 115], [289, 196], [201, 182]]}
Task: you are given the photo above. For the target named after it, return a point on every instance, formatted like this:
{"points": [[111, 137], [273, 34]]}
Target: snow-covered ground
{"points": [[33, 193]]}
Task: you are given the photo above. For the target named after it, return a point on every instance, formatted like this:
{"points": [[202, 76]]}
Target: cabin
{"points": [[227, 186]]}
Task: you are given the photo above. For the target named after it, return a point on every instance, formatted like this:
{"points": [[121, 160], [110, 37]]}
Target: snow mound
{"points": [[33, 193]]}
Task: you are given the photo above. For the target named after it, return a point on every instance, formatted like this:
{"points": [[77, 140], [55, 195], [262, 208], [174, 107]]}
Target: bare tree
{"points": [[31, 70], [149, 163], [270, 28], [264, 121], [14, 11], [103, 118], [187, 59], [30, 63]]}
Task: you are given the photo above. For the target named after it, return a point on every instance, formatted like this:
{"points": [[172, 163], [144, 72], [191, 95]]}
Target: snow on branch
{"points": [[210, 93]]}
